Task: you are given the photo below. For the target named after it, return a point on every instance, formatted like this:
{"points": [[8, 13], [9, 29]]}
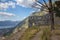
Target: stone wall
{"points": [[38, 20]]}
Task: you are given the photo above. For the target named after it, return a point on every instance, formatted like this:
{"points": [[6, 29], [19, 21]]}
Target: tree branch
{"points": [[35, 7], [41, 3], [45, 3]]}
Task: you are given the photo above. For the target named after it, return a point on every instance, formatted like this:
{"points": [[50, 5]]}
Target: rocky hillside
{"points": [[34, 33]]}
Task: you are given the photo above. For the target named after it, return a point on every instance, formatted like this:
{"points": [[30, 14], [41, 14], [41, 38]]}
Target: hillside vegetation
{"points": [[32, 31], [45, 33], [29, 33]]}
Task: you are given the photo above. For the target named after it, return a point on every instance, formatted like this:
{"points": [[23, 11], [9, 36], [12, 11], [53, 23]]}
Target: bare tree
{"points": [[50, 8], [51, 14]]}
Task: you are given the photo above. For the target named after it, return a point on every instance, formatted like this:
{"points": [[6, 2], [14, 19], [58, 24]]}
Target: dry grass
{"points": [[29, 33], [46, 34]]}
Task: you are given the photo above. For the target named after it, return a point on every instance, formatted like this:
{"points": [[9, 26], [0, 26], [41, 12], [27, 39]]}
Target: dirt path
{"points": [[37, 36], [56, 37]]}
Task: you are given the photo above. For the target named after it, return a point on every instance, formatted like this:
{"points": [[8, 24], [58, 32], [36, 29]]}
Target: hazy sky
{"points": [[16, 9]]}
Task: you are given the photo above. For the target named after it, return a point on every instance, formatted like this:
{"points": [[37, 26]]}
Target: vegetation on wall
{"points": [[57, 8]]}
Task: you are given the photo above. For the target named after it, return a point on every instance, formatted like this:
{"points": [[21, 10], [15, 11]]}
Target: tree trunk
{"points": [[51, 14]]}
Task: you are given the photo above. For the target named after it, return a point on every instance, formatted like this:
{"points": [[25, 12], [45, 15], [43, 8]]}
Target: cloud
{"points": [[29, 4], [6, 5], [25, 3], [6, 14]]}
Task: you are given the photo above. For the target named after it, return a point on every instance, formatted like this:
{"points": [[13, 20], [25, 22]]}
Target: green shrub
{"points": [[46, 34]]}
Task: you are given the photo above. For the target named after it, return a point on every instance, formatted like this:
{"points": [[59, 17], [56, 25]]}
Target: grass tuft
{"points": [[29, 33]]}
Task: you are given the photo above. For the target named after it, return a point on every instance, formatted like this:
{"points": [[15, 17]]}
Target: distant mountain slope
{"points": [[7, 27], [8, 23], [5, 31]]}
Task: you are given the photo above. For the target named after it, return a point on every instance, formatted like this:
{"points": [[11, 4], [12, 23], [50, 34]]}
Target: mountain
{"points": [[6, 27], [8, 23], [5, 31]]}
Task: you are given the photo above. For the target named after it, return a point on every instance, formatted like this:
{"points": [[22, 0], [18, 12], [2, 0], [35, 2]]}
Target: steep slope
{"points": [[18, 31], [22, 28]]}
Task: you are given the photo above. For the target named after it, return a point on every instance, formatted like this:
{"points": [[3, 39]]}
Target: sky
{"points": [[16, 10]]}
